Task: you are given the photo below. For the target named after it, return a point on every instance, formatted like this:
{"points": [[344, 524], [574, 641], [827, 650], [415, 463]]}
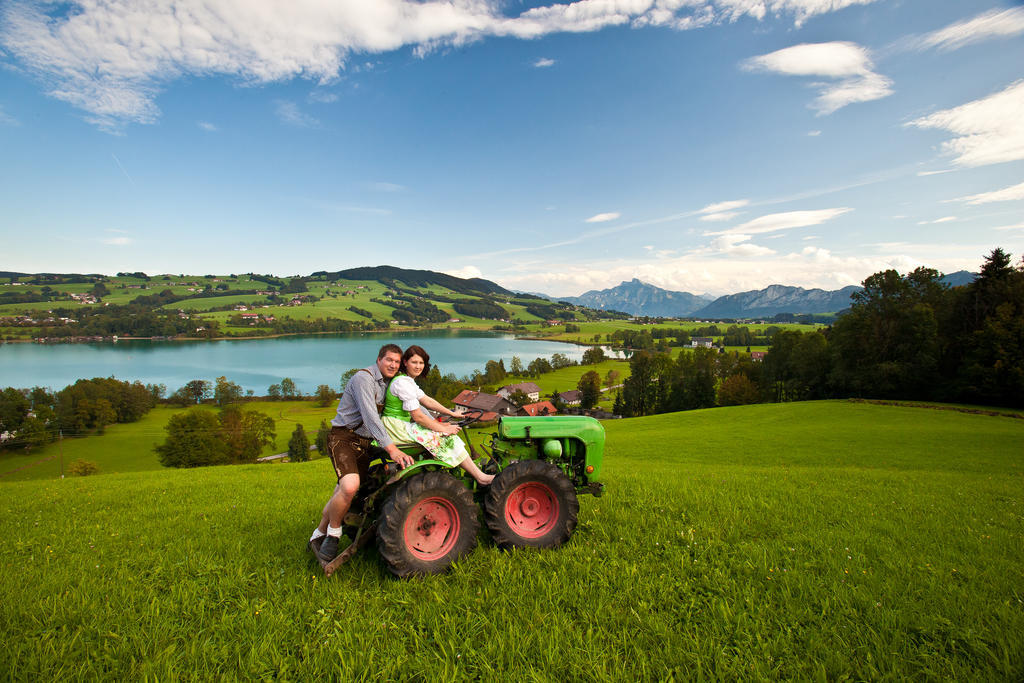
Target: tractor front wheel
{"points": [[426, 524], [531, 504]]}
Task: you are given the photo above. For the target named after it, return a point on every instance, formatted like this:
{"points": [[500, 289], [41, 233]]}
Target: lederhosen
{"points": [[351, 453]]}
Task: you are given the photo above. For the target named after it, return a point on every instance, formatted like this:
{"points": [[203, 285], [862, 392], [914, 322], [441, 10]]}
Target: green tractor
{"points": [[426, 516]]}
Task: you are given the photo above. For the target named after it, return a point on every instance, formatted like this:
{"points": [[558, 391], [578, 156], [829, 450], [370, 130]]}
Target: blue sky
{"points": [[700, 145]]}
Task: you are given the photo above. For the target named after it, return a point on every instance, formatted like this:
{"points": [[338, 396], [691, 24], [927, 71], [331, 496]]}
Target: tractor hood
{"points": [[585, 429]]}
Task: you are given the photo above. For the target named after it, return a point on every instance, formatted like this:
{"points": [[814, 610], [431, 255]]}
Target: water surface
{"points": [[310, 360]]}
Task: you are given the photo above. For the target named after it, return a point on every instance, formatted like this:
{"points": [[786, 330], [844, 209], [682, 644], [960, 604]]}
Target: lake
{"points": [[310, 360]]}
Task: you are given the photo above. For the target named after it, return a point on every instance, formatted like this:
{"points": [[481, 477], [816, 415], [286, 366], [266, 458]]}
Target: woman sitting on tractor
{"points": [[408, 424]]}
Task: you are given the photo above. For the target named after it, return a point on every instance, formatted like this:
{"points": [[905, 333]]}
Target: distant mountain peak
{"points": [[640, 298]]}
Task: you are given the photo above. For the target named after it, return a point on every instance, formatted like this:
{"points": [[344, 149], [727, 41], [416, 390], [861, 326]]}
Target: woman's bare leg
{"points": [[474, 471]]}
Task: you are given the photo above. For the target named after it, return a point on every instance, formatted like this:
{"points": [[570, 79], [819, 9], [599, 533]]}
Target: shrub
{"points": [[82, 468]]}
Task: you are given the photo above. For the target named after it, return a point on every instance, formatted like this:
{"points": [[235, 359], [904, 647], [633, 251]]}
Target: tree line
{"points": [[31, 418], [904, 337]]}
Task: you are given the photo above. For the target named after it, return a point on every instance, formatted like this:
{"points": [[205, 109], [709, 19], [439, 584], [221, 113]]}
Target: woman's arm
{"points": [[420, 417], [434, 405]]}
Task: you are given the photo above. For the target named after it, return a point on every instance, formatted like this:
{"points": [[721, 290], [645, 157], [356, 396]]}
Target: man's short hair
{"points": [[389, 348]]}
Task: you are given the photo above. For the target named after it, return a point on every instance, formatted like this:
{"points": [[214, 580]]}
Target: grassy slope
{"points": [[818, 540], [129, 447]]}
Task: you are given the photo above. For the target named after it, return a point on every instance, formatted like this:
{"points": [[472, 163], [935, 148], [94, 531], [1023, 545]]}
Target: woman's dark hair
{"points": [[416, 351]]}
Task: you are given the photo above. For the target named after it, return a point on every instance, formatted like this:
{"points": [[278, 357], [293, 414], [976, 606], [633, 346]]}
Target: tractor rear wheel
{"points": [[531, 504], [426, 524]]}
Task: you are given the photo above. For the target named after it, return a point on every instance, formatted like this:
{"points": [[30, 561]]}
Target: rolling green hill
{"points": [[830, 540]]}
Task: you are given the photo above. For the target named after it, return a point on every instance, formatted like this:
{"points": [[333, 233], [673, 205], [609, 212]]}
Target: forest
{"points": [[907, 337]]}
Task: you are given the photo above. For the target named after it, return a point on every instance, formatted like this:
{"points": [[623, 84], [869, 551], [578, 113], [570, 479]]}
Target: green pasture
{"points": [[206, 303], [824, 541], [129, 447], [566, 379]]}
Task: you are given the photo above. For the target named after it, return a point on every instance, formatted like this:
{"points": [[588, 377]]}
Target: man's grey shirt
{"points": [[357, 408]]}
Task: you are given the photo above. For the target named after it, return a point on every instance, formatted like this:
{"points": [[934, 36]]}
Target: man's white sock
{"points": [[334, 531], [316, 534]]}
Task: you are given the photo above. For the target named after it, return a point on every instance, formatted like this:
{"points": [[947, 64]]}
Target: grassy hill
{"points": [[828, 540], [334, 293]]}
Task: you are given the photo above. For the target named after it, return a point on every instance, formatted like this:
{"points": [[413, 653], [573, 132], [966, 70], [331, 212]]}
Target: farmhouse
{"points": [[570, 398], [706, 342], [757, 356], [539, 408], [491, 405], [531, 390]]}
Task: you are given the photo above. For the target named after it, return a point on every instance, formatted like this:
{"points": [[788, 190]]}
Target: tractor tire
{"points": [[531, 504], [426, 524]]}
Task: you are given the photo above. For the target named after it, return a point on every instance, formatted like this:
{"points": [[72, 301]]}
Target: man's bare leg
{"points": [[334, 512]]}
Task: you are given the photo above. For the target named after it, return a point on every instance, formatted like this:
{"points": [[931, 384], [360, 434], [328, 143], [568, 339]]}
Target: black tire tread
{"points": [[390, 530], [515, 475]]}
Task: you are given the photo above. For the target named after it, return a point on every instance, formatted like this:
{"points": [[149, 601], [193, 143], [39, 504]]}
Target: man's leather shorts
{"points": [[350, 453]]}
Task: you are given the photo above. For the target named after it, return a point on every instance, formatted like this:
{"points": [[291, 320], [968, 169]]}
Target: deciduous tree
{"points": [[193, 440], [324, 395], [590, 389], [226, 392]]}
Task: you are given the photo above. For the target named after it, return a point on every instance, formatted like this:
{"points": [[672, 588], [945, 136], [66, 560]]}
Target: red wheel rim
{"points": [[432, 528], [531, 510]]}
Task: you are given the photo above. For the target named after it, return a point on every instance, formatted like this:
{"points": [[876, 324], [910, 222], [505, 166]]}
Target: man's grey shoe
{"points": [[328, 550]]}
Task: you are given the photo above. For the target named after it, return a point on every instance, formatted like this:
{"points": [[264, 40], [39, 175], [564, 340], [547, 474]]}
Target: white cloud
{"points": [[944, 219], [848, 64], [118, 241], [989, 130], [1006, 194], [111, 59], [784, 221], [290, 113], [985, 26], [928, 173], [736, 271], [386, 187], [466, 272], [207, 126], [603, 217], [1017, 226], [323, 97], [724, 206], [6, 119], [813, 133], [802, 9], [719, 217], [544, 62], [736, 244]]}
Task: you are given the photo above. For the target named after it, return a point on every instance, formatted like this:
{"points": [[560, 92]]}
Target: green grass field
{"points": [[825, 541], [129, 447]]}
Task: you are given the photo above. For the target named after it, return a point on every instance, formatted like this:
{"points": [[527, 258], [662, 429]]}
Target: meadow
{"points": [[129, 447], [826, 540]]}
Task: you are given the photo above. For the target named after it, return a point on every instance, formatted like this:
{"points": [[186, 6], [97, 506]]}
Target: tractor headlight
{"points": [[552, 448]]}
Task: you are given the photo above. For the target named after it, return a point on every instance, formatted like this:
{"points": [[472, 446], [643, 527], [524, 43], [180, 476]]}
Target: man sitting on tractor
{"points": [[356, 424]]}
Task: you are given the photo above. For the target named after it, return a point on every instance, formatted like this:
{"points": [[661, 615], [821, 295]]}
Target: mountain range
{"points": [[640, 298]]}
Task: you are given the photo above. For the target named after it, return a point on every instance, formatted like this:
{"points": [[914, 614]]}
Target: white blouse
{"points": [[405, 388]]}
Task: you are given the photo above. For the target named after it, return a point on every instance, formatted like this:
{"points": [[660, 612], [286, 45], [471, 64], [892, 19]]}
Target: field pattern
{"points": [[827, 540]]}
